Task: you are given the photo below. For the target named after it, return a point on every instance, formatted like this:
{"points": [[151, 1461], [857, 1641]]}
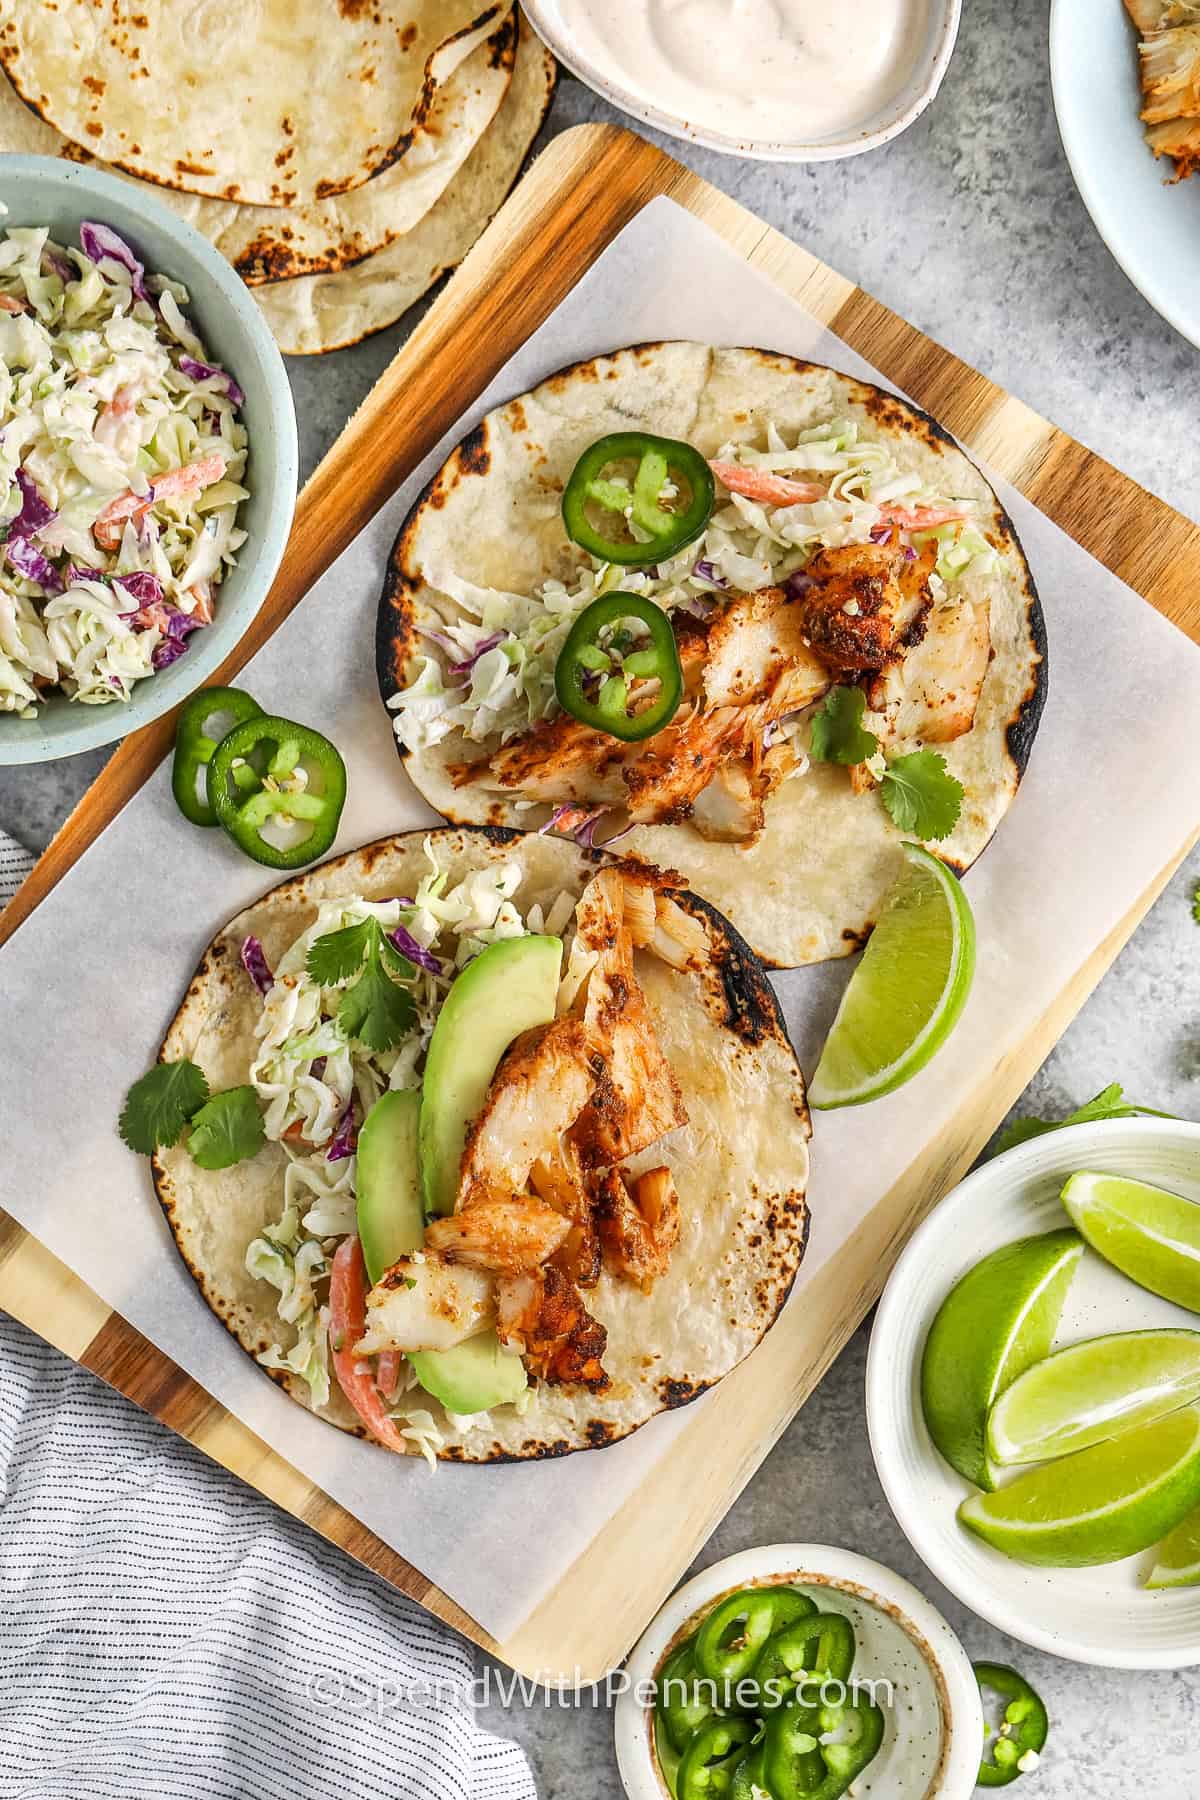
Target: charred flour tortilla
{"points": [[810, 885], [262, 101], [740, 1164], [275, 243], [313, 314]]}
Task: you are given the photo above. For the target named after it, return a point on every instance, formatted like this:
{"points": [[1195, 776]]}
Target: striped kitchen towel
{"points": [[168, 1634], [15, 864]]}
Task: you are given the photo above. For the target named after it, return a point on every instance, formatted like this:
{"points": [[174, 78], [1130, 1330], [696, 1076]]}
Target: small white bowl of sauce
{"points": [[916, 1668], [776, 80]]}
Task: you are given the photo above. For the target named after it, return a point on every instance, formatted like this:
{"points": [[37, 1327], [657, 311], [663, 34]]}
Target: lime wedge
{"points": [[1099, 1505], [905, 997], [1178, 1563], [998, 1320], [1150, 1235], [1091, 1391]]}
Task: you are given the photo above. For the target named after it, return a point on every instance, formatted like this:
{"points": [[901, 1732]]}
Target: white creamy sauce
{"points": [[781, 70]]}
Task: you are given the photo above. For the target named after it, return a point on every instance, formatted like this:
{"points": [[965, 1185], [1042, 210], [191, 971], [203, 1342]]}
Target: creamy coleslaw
{"points": [[121, 462]]}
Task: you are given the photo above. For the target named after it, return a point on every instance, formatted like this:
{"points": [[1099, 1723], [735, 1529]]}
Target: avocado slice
{"points": [[510, 986], [472, 1377], [387, 1176], [479, 1373]]}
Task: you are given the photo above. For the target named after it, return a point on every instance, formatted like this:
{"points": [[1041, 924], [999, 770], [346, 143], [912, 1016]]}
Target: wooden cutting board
{"points": [[584, 188]]}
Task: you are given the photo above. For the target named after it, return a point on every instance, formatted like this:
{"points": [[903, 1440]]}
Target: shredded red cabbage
{"points": [[101, 241], [416, 953], [35, 513], [31, 563], [879, 534], [708, 571], [176, 629], [58, 265], [256, 966], [318, 1068], [798, 583], [442, 640], [166, 653], [202, 371], [76, 572], [697, 607], [584, 833], [141, 586], [464, 668], [345, 1139]]}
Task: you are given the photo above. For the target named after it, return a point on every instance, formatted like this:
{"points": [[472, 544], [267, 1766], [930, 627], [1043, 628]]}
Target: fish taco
{"points": [[748, 616], [523, 1143]]}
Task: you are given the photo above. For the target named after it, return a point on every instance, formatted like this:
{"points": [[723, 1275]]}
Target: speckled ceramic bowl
{"points": [[41, 190], [934, 1729], [905, 104]]}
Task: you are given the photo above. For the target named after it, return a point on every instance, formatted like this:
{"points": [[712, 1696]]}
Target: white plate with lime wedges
{"points": [[1109, 1439]]}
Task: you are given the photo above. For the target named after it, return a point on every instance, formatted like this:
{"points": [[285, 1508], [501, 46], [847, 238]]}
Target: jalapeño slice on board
{"points": [[301, 784], [203, 722]]}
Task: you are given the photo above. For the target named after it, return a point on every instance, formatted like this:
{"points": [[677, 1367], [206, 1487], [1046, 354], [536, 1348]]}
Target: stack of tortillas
{"points": [[342, 155]]}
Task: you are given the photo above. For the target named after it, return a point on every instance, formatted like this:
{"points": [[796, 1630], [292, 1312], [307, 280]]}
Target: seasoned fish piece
{"points": [[1180, 139], [562, 759], [864, 600], [755, 641], [638, 1222], [422, 1303], [542, 1315], [540, 1088], [730, 809], [1171, 74], [934, 692], [559, 1183], [1147, 15], [502, 1235], [636, 1099], [656, 921]]}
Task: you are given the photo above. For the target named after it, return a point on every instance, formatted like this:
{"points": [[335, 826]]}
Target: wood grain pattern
{"points": [[585, 187]]}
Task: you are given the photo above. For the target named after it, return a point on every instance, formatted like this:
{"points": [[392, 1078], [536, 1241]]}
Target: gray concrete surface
{"points": [[971, 227]]}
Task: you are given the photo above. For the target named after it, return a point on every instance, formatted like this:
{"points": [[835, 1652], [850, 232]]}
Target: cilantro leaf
{"points": [[837, 729], [375, 1011], [159, 1105], [372, 1008], [921, 795], [1196, 903], [227, 1130], [339, 954], [1109, 1103]]}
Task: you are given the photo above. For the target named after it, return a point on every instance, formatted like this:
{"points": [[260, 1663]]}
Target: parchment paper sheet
{"points": [[89, 983]]}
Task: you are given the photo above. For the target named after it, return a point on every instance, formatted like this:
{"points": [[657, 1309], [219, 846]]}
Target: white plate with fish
{"points": [[1149, 219]]}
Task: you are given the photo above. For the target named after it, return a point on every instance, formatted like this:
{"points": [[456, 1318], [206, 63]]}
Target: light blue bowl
{"points": [[41, 190]]}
